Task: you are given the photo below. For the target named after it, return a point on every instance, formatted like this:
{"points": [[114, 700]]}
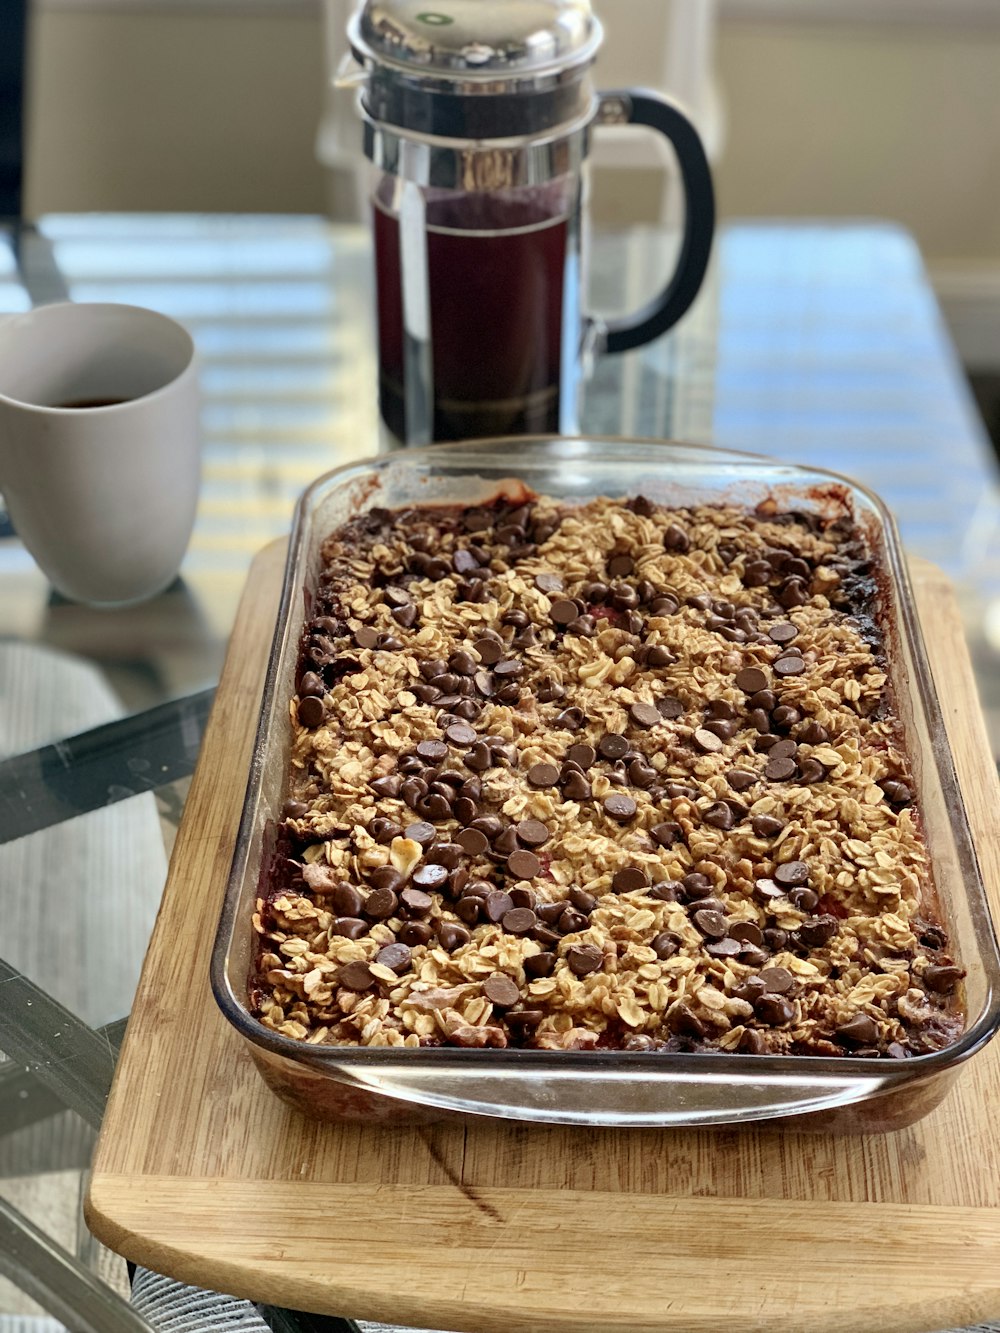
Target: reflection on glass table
{"points": [[819, 344]]}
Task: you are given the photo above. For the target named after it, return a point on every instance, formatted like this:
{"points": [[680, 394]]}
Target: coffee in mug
{"points": [[100, 446]]}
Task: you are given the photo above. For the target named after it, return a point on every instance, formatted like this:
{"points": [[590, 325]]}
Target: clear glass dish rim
{"points": [[888, 1073]]}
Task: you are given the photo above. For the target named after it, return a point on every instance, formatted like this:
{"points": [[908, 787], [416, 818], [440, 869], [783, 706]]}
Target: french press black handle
{"points": [[642, 107]]}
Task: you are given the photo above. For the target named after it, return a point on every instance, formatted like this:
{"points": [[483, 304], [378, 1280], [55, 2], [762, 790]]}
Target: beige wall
{"points": [[152, 110], [900, 122]]}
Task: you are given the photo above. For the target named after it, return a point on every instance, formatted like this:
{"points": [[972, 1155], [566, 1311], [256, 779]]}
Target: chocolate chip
{"points": [[789, 666], [582, 754], [712, 924], [294, 809], [387, 786], [707, 741], [942, 977], [621, 808], [775, 1010], [792, 873], [675, 539], [548, 583], [381, 904], [724, 948], [644, 715], [666, 834], [519, 921], [432, 750], [311, 711], [571, 719], [350, 927], [719, 816], [583, 625], [665, 944], [523, 865], [459, 734], [751, 679], [540, 964], [664, 606], [346, 900], [778, 980], [818, 931], [395, 956], [421, 832], [667, 891], [497, 904], [583, 959], [424, 877], [452, 936], [630, 879], [613, 746], [860, 1030], [641, 774], [491, 825], [543, 775], [620, 566], [576, 787], [780, 770], [501, 990], [811, 733], [509, 669], [468, 907], [793, 593], [696, 885], [489, 650], [506, 842], [366, 637], [766, 826], [700, 601], [747, 932], [532, 832], [623, 597], [782, 749], [803, 900], [471, 840], [811, 770], [659, 656], [355, 976], [434, 806], [479, 758], [766, 889], [685, 1022], [739, 779], [725, 730], [582, 900], [563, 611], [405, 615], [384, 830], [895, 791], [311, 685]]}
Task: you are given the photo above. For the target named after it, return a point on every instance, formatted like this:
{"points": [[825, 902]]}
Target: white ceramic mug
{"points": [[100, 446]]}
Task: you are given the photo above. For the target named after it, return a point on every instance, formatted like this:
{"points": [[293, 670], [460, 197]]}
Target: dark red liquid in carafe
{"points": [[496, 276]]}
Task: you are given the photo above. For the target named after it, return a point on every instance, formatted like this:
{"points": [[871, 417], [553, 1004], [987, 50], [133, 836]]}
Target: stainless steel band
{"points": [[458, 164]]}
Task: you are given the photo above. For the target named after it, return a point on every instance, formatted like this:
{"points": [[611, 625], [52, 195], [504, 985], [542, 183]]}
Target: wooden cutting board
{"points": [[203, 1174]]}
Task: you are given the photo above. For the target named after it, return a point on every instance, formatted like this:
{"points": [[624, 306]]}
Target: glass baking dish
{"points": [[619, 1088]]}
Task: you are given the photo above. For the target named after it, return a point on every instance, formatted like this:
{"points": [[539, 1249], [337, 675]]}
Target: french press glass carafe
{"points": [[477, 116]]}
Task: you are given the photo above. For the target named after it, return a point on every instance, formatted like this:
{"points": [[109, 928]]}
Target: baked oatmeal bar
{"points": [[607, 776]]}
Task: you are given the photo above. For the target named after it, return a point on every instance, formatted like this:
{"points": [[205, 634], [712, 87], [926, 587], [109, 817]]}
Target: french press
{"points": [[477, 117]]}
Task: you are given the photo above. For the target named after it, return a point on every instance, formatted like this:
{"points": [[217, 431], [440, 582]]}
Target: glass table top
{"points": [[820, 344]]}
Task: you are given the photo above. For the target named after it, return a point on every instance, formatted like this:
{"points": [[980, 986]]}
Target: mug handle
{"points": [[642, 107]]}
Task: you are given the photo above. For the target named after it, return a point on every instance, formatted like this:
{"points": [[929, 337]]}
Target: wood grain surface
{"points": [[492, 1227]]}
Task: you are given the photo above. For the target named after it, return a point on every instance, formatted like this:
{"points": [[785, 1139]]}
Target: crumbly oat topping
{"points": [[611, 776]]}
